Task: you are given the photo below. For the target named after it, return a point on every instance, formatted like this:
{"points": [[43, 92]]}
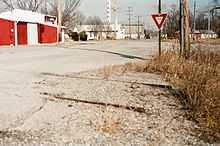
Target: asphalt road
{"points": [[21, 67]]}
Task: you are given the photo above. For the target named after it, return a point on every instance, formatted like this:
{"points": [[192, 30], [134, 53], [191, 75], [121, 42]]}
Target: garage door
{"points": [[22, 33], [6, 32], [32, 32], [47, 34]]}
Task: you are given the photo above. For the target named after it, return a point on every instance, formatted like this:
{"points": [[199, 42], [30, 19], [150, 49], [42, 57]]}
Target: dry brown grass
{"points": [[209, 41], [198, 79], [107, 71]]}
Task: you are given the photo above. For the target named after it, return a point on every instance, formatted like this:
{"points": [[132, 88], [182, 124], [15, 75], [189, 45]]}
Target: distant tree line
{"points": [[201, 20], [202, 23]]}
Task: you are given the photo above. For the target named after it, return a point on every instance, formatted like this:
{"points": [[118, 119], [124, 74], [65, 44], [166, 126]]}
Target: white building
{"points": [[101, 32]]}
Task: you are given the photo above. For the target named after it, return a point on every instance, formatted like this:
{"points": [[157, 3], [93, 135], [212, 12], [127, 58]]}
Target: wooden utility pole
{"points": [[59, 13], [186, 48], [139, 37]]}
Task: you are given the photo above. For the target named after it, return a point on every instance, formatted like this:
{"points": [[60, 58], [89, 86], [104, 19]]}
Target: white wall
{"points": [[32, 33]]}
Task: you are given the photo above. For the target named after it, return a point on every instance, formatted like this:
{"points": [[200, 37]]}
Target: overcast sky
{"points": [[140, 7]]}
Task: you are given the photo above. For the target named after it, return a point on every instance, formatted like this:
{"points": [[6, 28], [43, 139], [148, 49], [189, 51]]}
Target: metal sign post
{"points": [[159, 11], [159, 20]]}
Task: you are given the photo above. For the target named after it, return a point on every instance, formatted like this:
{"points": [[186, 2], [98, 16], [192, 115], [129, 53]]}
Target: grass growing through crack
{"points": [[109, 122]]}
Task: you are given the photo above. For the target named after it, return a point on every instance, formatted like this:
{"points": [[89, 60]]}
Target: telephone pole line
{"points": [[139, 27], [130, 11]]}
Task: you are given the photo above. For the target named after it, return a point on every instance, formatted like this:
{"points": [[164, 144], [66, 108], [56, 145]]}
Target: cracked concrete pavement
{"points": [[21, 67]]}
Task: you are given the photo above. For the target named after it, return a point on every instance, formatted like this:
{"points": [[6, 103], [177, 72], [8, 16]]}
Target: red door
{"points": [[22, 33], [47, 34], [6, 32]]}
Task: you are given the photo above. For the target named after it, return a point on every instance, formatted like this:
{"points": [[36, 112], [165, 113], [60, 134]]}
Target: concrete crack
{"points": [[20, 122]]}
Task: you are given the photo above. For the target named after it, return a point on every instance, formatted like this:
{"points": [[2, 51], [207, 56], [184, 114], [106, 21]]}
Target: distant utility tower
{"points": [[112, 7], [115, 9], [109, 11], [130, 12], [138, 17]]}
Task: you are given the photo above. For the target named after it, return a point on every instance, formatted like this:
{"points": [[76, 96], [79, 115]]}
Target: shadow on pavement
{"points": [[115, 53]]}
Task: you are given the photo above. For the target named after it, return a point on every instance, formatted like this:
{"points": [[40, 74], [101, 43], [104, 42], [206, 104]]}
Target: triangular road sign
{"points": [[159, 19]]}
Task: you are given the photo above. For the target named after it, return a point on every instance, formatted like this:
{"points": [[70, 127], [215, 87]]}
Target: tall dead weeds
{"points": [[198, 79]]}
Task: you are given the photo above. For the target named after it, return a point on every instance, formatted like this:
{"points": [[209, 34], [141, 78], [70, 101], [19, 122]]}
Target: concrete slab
{"points": [[20, 68]]}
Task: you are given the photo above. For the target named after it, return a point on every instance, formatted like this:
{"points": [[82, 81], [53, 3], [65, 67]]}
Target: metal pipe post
{"points": [[159, 11]]}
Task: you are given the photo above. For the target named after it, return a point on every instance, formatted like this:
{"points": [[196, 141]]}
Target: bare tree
{"points": [[96, 24], [201, 22], [80, 18], [93, 20], [172, 23], [216, 24], [8, 4], [32, 5], [70, 13]]}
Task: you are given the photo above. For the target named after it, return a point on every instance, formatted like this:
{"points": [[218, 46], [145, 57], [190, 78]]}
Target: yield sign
{"points": [[159, 19]]}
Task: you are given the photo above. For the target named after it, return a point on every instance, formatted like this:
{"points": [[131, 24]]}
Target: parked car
{"points": [[83, 36]]}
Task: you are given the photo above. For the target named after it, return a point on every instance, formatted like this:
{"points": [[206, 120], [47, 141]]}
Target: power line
{"points": [[130, 12], [138, 19]]}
